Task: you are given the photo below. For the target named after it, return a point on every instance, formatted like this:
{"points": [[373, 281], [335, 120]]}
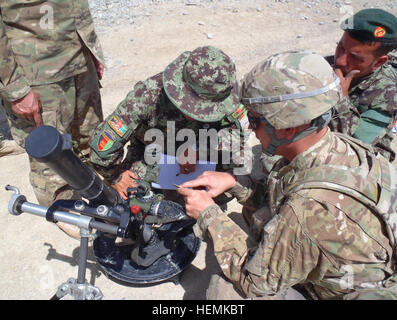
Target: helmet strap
{"points": [[292, 96], [318, 123]]}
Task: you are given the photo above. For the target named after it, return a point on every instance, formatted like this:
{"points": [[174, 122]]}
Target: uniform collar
{"points": [[313, 156], [368, 80]]}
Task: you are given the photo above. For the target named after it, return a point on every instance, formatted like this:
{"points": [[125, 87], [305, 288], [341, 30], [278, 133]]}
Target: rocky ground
{"points": [[139, 39]]}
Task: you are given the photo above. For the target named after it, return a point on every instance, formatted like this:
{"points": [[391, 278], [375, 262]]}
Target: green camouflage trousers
{"points": [[72, 106]]}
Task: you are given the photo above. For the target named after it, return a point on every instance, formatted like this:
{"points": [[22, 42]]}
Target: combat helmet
{"points": [[291, 89], [202, 84]]}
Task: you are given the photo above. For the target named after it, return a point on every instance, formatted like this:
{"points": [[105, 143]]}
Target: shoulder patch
{"points": [[118, 126], [240, 112], [241, 115], [106, 140]]}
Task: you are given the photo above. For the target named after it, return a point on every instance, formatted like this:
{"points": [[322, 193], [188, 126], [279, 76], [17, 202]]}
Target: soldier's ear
{"points": [[290, 132], [380, 61]]}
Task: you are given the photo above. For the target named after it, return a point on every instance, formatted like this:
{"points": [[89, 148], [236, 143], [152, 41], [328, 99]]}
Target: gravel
{"points": [[111, 13]]}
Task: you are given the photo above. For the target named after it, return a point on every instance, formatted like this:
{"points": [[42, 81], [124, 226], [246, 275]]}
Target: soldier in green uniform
{"points": [[367, 67], [330, 222], [50, 61], [197, 91]]}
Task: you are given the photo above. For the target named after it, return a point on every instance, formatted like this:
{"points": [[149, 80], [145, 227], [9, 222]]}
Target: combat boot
{"points": [[10, 147]]}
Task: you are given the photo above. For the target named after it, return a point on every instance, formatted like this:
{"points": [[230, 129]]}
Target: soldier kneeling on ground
{"points": [[330, 222]]}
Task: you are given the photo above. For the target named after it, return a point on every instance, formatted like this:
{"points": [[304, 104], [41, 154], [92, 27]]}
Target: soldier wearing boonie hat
{"points": [[331, 207], [202, 84], [198, 90], [366, 63]]}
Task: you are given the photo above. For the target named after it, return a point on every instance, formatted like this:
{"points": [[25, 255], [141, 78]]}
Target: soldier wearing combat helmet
{"points": [[365, 60], [198, 90], [330, 220]]}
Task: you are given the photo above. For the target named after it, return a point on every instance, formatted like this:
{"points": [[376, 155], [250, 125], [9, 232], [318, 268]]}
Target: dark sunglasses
{"points": [[255, 121]]}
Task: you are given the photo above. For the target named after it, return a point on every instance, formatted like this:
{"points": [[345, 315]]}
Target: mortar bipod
{"points": [[78, 288]]}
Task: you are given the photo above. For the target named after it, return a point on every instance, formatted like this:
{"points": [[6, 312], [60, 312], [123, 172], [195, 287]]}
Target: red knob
{"points": [[135, 209]]}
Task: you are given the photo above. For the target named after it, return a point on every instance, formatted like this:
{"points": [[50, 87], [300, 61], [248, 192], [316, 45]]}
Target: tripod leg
{"points": [[62, 291], [83, 253], [55, 297]]}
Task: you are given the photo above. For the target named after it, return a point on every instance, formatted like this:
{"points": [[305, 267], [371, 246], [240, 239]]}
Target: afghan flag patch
{"points": [[240, 112], [106, 140], [118, 126]]}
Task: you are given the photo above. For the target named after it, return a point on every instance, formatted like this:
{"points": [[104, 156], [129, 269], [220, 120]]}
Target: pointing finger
{"points": [[185, 191], [198, 182]]}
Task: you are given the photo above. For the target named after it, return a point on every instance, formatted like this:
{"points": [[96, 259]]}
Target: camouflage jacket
{"points": [[147, 107], [42, 42], [373, 101], [317, 237]]}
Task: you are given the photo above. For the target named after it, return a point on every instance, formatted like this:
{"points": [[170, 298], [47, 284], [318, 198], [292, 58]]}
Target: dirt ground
{"points": [[35, 255]]}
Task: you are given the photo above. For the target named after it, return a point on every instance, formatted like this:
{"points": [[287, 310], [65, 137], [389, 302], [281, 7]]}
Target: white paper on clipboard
{"points": [[170, 172]]}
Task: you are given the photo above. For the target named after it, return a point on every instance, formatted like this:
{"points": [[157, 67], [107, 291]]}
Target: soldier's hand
{"points": [[216, 183], [345, 81], [187, 161], [29, 107], [125, 183], [195, 201]]}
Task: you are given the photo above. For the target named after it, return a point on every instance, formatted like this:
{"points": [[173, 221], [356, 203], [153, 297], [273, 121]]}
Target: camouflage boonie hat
{"points": [[291, 88], [202, 84]]}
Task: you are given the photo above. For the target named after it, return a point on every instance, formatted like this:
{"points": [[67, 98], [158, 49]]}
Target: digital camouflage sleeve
{"points": [[146, 107], [126, 123]]}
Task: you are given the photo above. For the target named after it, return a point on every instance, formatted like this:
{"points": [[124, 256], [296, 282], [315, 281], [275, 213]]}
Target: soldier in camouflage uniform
{"points": [[50, 62], [198, 90], [331, 218], [367, 67], [368, 110]]}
